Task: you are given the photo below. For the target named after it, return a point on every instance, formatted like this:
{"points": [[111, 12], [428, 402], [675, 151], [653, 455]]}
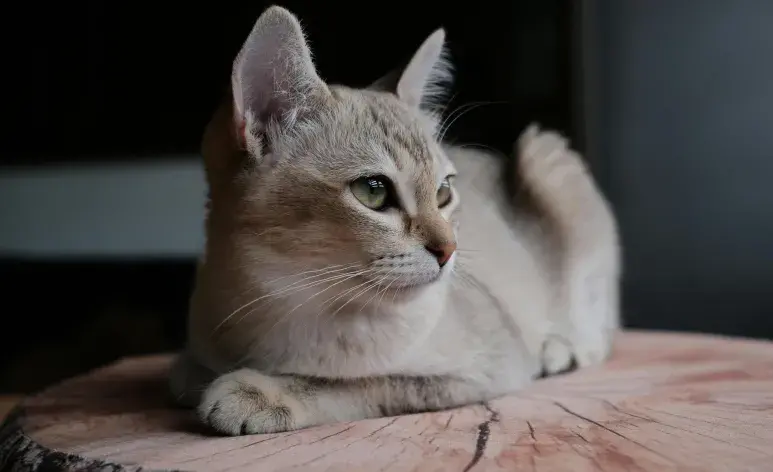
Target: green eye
{"points": [[444, 193], [373, 192]]}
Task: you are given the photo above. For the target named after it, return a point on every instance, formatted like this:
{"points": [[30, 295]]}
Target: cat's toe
{"points": [[249, 404], [592, 350], [557, 357]]}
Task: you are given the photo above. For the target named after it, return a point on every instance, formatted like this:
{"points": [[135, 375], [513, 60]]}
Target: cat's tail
{"points": [[564, 190]]}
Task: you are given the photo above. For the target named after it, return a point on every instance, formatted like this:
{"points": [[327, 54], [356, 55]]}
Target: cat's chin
{"points": [[410, 289]]}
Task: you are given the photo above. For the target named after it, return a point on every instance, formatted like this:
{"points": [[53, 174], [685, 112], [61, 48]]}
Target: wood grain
{"points": [[663, 402]]}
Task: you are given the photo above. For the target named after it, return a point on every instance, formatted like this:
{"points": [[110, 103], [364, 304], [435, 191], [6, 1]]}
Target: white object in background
{"points": [[142, 208]]}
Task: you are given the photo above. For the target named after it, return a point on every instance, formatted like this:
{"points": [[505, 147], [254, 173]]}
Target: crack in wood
{"points": [[650, 419], [331, 435], [531, 431], [580, 436], [533, 437], [448, 422], [481, 440], [371, 434], [610, 430]]}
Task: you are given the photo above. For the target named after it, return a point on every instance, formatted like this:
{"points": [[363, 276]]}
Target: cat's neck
{"points": [[368, 336]]}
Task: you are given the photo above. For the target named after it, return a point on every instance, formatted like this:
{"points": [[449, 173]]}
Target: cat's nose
{"points": [[442, 252]]}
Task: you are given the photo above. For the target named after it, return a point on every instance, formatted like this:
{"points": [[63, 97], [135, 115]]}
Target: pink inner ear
{"points": [[241, 133]]}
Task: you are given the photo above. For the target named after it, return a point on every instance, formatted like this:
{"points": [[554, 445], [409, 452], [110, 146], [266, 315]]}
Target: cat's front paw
{"points": [[557, 357], [560, 355], [592, 348], [248, 402]]}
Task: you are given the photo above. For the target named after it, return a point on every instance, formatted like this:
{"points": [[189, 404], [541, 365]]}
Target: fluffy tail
{"points": [[567, 195]]}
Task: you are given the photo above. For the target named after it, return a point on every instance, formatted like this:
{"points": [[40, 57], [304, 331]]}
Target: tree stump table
{"points": [[663, 402]]}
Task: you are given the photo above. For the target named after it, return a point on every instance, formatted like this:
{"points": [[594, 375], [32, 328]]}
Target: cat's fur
{"points": [[293, 338]]}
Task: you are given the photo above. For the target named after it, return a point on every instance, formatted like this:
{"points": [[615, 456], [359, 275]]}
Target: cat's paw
{"points": [[592, 348], [556, 357], [248, 402], [560, 355]]}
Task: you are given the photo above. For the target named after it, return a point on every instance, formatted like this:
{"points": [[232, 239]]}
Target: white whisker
{"points": [[286, 315], [380, 281], [284, 290]]}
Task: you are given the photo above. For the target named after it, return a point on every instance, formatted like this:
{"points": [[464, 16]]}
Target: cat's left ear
{"points": [[424, 82]]}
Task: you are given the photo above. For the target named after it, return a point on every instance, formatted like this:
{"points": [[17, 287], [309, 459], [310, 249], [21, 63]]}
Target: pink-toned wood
{"points": [[664, 402]]}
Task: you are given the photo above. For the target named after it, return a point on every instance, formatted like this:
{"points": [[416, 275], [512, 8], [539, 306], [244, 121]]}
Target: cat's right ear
{"points": [[425, 80], [274, 80]]}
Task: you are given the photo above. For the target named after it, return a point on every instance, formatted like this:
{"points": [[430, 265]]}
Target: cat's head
{"points": [[332, 179]]}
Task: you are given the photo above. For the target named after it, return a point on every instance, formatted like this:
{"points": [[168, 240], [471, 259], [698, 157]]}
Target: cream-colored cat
{"points": [[356, 268]]}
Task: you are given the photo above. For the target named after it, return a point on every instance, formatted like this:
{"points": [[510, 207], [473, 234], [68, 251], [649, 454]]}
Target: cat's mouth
{"points": [[411, 283]]}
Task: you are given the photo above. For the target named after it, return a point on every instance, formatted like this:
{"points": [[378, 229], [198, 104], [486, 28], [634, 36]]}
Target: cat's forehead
{"points": [[391, 130]]}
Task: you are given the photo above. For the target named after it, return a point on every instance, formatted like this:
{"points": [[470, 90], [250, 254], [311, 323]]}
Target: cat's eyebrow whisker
{"points": [[443, 128], [458, 113], [485, 147]]}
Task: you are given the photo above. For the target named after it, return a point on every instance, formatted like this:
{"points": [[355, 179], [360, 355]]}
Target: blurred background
{"points": [[102, 191]]}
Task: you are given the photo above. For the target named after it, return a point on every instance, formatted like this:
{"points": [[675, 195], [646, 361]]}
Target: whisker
{"points": [[286, 315], [331, 301], [384, 277], [384, 292], [345, 276], [284, 290], [309, 272], [442, 128], [324, 290], [458, 113], [355, 297]]}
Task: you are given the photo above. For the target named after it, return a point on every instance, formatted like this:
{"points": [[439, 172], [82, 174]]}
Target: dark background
{"points": [[97, 79], [672, 118]]}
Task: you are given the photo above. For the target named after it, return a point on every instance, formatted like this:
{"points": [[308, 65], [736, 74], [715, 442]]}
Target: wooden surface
{"points": [[664, 402]]}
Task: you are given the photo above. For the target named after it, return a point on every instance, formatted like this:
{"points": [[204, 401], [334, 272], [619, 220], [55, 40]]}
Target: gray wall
{"points": [[126, 210], [683, 123]]}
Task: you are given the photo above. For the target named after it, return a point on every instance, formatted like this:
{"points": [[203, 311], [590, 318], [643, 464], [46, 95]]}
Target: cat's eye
{"points": [[373, 192], [444, 194]]}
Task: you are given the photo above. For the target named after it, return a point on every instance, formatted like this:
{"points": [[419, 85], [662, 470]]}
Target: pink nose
{"points": [[442, 252]]}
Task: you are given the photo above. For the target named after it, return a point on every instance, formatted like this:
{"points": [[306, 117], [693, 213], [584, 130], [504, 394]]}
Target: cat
{"points": [[356, 268]]}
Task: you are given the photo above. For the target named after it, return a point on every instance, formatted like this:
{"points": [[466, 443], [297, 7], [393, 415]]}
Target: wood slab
{"points": [[663, 402]]}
